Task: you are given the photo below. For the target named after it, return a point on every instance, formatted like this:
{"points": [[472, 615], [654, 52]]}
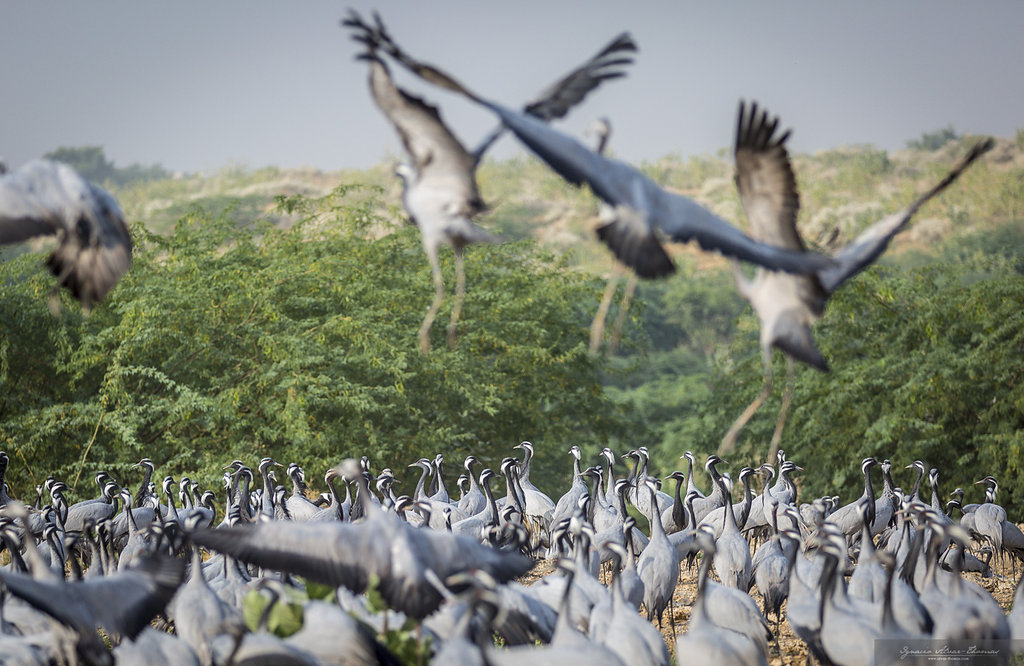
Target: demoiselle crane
{"points": [[787, 305], [441, 195]]}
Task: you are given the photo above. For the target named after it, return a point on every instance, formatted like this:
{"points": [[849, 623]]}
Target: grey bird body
{"points": [[718, 631], [153, 647], [349, 554], [732, 552], [200, 615], [658, 565], [123, 603]]}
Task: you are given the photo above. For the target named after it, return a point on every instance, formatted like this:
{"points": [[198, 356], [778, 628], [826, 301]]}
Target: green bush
{"points": [[228, 342], [934, 140]]}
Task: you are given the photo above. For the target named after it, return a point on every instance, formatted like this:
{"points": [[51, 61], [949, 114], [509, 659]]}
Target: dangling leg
{"points": [[460, 295], [729, 441], [620, 319], [597, 326], [787, 398], [428, 321]]}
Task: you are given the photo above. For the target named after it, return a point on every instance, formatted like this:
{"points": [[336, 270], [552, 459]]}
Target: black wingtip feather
{"points": [[641, 252], [755, 130], [798, 342]]}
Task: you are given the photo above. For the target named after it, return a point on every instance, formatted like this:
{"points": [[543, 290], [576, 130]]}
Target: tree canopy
{"points": [[925, 365], [226, 341], [93, 164]]}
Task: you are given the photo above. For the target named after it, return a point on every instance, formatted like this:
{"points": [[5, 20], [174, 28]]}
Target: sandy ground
{"points": [[789, 650]]}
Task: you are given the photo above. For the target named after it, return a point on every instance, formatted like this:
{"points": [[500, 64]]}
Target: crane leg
{"points": [[729, 441], [597, 326], [620, 319], [460, 296], [787, 399], [428, 321]]}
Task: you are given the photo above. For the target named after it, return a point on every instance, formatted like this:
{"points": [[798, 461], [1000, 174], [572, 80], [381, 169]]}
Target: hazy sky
{"points": [[199, 85]]}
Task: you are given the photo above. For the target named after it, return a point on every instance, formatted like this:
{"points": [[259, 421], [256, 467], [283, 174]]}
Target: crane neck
{"points": [[609, 478], [917, 483], [678, 510], [417, 494], [656, 527]]}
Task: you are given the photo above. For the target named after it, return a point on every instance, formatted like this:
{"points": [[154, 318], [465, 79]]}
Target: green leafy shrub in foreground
{"points": [[226, 342]]}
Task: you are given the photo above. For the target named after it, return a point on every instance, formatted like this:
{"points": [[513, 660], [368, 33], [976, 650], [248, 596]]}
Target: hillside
{"points": [[924, 348], [842, 190]]}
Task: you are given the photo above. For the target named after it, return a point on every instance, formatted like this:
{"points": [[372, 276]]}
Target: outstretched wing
{"points": [[764, 179], [872, 242], [620, 185], [555, 101], [426, 138], [376, 38], [352, 555], [435, 151], [122, 603]]}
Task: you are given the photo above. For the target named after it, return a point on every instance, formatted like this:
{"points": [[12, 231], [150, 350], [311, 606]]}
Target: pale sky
{"points": [[197, 85]]}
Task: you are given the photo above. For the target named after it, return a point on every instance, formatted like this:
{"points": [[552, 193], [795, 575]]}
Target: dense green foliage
{"points": [[225, 342], [925, 365], [233, 339]]}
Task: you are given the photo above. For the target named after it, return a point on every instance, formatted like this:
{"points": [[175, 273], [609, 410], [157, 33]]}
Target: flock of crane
{"points": [[132, 564]]}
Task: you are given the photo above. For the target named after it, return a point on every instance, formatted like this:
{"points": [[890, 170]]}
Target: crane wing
{"points": [[95, 247], [32, 200], [620, 185], [557, 99], [426, 138], [331, 553], [122, 603], [764, 179], [872, 242], [614, 182], [351, 555]]}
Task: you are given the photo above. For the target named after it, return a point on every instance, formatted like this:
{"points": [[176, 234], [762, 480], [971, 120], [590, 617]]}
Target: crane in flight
{"points": [[788, 305], [440, 190]]}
